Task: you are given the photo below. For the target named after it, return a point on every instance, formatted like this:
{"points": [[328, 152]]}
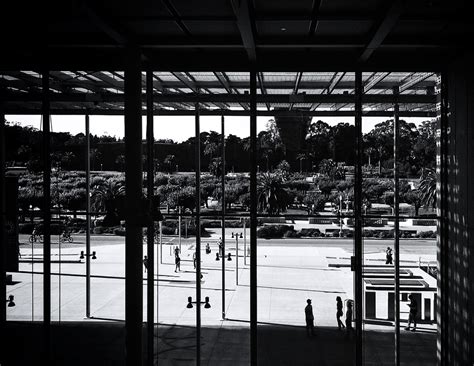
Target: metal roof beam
{"points": [[336, 78], [262, 87], [104, 25], [296, 87], [416, 79], [176, 17], [246, 24], [313, 26], [222, 98], [374, 79], [225, 84], [383, 28]]}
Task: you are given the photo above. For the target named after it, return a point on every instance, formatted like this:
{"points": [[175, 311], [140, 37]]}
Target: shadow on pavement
{"points": [[103, 343]]}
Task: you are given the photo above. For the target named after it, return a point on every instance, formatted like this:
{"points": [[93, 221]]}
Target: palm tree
{"points": [[429, 179], [271, 195], [105, 198]]}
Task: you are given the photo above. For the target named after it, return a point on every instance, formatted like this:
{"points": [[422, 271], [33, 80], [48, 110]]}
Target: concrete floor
{"points": [[287, 276]]}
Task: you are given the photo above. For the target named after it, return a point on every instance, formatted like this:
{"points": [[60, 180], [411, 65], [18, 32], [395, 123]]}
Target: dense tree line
{"points": [[326, 149]]}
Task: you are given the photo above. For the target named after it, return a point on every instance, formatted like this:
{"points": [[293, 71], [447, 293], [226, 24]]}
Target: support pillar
{"points": [[151, 226], [198, 235], [46, 218], [133, 191], [253, 218], [396, 233], [88, 219], [223, 216], [358, 251], [3, 247]]}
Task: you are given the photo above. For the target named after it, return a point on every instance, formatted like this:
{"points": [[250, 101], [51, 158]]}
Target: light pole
{"points": [[340, 215], [236, 235], [245, 242]]}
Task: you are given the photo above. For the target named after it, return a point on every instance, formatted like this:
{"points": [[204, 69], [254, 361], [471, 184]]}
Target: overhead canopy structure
{"points": [[230, 35], [202, 51], [222, 92]]}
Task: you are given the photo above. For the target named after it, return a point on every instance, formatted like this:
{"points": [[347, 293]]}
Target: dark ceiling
{"points": [[233, 35]]}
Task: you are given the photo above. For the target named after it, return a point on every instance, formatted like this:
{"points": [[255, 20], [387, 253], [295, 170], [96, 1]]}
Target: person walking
{"points": [[349, 329], [308, 311], [177, 262], [145, 263], [413, 305], [388, 256], [176, 251], [339, 313]]}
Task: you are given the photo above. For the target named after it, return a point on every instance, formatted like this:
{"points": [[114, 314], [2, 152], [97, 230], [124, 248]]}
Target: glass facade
{"points": [[336, 178]]}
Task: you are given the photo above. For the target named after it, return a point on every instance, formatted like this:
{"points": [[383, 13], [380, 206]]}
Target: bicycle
{"points": [[35, 238], [66, 236]]}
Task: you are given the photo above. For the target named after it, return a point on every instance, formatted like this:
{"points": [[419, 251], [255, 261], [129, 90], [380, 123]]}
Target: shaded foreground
{"points": [[102, 343]]}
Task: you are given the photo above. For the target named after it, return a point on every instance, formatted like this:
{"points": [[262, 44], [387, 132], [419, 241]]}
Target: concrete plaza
{"points": [[289, 272]]}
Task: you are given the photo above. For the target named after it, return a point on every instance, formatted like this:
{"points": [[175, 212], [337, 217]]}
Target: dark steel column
{"points": [[223, 216], [396, 234], [88, 219], [151, 226], [133, 191], [442, 205], [198, 236], [46, 217], [358, 251], [253, 218], [3, 246]]}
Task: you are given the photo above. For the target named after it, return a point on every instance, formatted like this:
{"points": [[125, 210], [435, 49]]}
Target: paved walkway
{"points": [[287, 276]]}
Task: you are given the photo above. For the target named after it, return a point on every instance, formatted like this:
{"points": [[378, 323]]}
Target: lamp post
{"points": [[236, 235], [340, 215], [245, 242]]}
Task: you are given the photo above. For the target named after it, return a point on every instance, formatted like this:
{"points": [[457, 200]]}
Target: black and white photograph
{"points": [[237, 183]]}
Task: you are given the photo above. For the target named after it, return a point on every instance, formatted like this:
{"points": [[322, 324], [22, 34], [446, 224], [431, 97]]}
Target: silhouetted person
{"points": [[177, 262], [221, 247], [194, 260], [339, 312], [413, 305], [308, 312], [217, 256], [176, 251], [208, 249], [349, 329], [389, 256], [145, 263]]}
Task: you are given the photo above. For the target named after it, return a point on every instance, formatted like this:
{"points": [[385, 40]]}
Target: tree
{"points": [[170, 163], [120, 161], [215, 167], [271, 195], [105, 198], [414, 197], [427, 187]]}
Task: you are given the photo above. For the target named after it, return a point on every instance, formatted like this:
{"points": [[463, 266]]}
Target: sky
{"points": [[177, 128]]}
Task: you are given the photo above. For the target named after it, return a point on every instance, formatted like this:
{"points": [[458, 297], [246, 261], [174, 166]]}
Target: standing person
{"points": [[145, 263], [413, 305], [221, 249], [308, 312], [349, 329], [194, 260], [177, 262], [208, 248], [339, 312], [388, 255]]}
